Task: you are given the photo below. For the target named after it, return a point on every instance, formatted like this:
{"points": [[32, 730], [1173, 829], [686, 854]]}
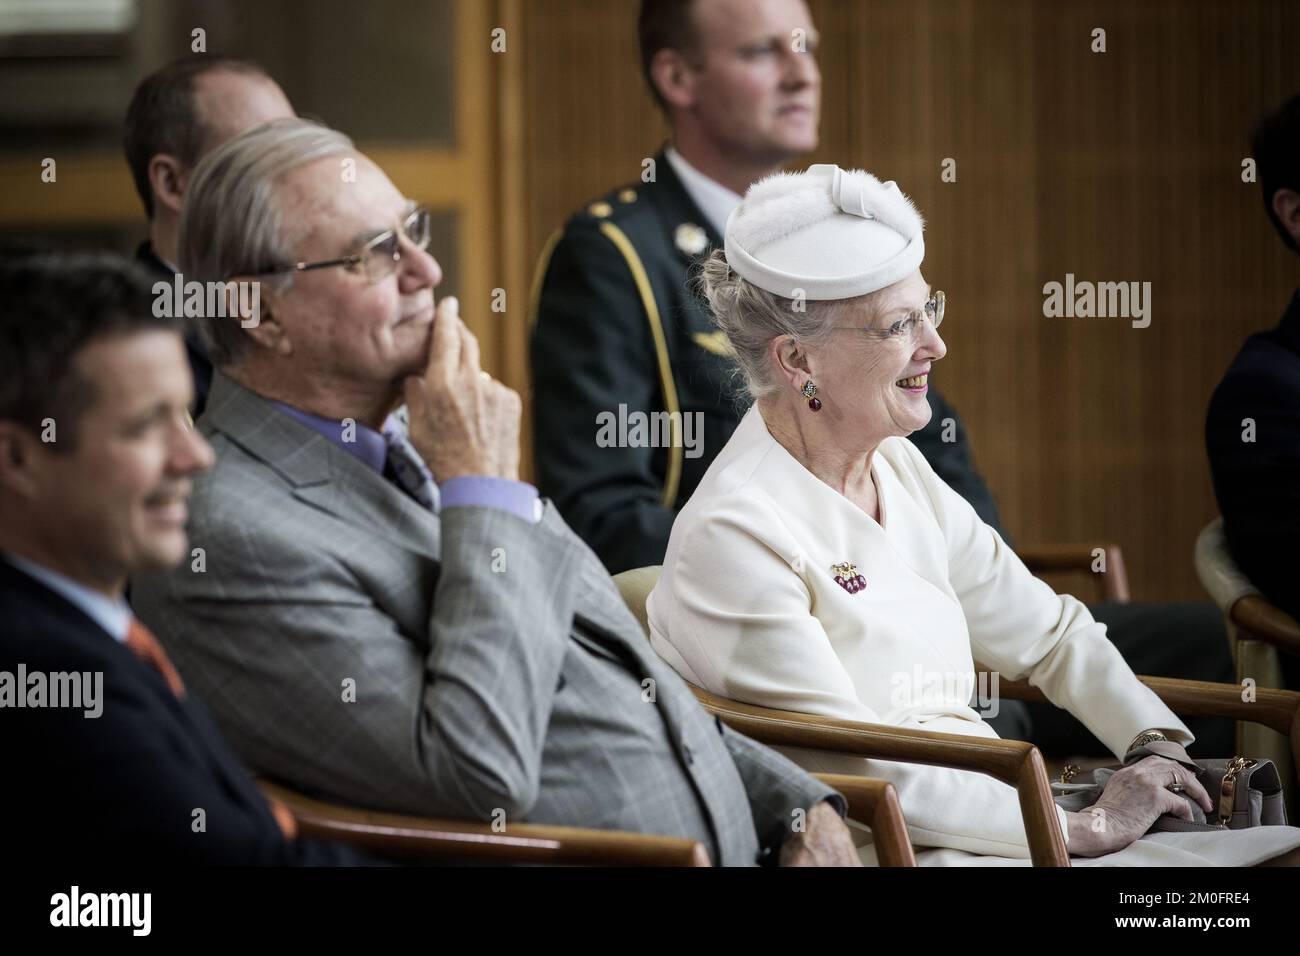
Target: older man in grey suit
{"points": [[385, 615]]}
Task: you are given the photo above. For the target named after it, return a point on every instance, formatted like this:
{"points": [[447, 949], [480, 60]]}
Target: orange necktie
{"points": [[146, 647]]}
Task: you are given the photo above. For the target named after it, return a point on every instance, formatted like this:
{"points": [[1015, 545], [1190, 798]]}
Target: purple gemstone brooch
{"points": [[847, 577]]}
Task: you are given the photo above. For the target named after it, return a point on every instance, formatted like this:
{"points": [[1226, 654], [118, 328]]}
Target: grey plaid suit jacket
{"points": [[468, 664]]}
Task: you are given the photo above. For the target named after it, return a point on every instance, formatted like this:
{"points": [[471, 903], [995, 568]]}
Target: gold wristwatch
{"points": [[1144, 738]]}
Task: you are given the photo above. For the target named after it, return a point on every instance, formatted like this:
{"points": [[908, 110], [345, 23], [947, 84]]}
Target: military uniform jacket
{"points": [[620, 336]]}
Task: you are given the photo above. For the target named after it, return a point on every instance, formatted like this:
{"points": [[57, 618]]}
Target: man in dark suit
{"points": [[620, 338], [109, 758], [1252, 431], [177, 115]]}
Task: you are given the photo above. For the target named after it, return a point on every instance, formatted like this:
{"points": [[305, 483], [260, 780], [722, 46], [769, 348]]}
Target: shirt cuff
{"points": [[838, 804], [516, 497]]}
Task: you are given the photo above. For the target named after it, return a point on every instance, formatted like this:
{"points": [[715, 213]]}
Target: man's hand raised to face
{"points": [[463, 421]]}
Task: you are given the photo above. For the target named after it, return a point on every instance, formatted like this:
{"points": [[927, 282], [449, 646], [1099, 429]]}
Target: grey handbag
{"points": [[1248, 793]]}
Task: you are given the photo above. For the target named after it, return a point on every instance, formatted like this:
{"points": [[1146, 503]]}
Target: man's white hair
{"points": [[232, 223]]}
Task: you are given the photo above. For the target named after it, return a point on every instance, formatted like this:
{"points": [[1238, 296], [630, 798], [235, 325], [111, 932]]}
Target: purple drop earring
{"points": [[810, 393]]}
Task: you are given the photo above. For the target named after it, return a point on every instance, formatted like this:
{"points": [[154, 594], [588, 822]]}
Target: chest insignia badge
{"points": [[847, 577], [691, 239]]}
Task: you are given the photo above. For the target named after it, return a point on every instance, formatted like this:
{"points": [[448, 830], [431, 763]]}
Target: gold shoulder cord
{"points": [[624, 245], [539, 276]]}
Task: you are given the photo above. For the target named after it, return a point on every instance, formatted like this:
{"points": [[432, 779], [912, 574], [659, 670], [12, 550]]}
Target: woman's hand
{"points": [[1131, 801]]}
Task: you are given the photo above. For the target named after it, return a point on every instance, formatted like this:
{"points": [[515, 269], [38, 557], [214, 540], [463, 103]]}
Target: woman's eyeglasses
{"points": [[910, 327], [379, 257]]}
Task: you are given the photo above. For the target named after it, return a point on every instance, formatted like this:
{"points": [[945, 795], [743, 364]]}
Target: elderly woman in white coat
{"points": [[822, 566]]}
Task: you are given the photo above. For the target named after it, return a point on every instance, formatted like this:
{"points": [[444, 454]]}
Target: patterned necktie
{"points": [[412, 473], [146, 647]]}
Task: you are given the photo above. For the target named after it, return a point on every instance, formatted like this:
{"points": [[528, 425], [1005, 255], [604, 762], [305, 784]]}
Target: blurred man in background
{"points": [[177, 115], [1252, 431]]}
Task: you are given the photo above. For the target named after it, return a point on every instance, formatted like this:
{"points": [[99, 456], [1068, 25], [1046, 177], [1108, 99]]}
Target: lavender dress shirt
{"points": [[516, 497]]}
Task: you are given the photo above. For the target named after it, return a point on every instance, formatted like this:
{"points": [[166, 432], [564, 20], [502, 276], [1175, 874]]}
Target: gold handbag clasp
{"points": [[1228, 791]]}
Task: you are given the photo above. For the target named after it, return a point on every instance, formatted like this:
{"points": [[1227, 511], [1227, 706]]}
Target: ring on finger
{"points": [[1174, 787]]}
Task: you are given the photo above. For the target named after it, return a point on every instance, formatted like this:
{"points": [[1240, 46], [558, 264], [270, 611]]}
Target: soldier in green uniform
{"points": [[619, 333]]}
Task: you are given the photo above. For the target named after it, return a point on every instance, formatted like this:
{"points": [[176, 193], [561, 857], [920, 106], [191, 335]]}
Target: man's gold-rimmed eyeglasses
{"points": [[379, 257]]}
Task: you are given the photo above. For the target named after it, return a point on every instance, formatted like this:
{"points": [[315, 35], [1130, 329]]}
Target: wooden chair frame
{"points": [[1278, 710], [1051, 558], [1258, 619], [1014, 762], [874, 802]]}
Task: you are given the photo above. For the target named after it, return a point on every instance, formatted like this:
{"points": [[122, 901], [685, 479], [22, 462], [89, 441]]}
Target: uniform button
{"points": [[627, 196], [600, 209]]}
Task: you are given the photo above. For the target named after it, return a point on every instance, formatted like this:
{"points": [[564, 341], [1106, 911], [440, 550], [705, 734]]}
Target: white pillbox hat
{"points": [[829, 233]]}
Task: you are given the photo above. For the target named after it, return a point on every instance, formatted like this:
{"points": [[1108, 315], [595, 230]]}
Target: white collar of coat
{"points": [[799, 494]]}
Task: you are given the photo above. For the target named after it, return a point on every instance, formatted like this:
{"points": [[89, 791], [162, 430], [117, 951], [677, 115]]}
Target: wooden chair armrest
{"points": [[1260, 620], [465, 841], [1012, 761], [1276, 709], [1046, 558], [875, 803]]}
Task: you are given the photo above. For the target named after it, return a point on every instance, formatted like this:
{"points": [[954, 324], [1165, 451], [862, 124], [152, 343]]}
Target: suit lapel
{"points": [[369, 502], [321, 475]]}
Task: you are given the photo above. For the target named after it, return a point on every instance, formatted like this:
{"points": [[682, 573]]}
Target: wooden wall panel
{"points": [[1123, 165], [1139, 155], [1117, 166]]}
